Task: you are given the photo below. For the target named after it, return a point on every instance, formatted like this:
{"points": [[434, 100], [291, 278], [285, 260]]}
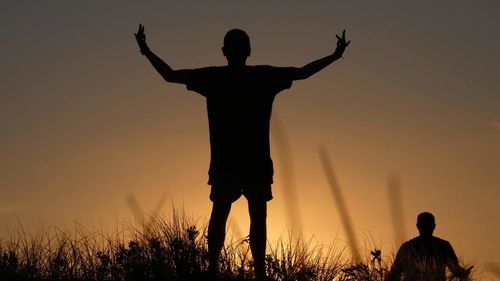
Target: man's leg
{"points": [[217, 233], [258, 237]]}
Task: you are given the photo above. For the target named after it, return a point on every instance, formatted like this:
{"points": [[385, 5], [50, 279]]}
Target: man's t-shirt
{"points": [[424, 259], [239, 104]]}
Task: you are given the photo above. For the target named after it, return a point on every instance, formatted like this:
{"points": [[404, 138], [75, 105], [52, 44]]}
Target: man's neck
{"points": [[426, 237], [236, 64]]}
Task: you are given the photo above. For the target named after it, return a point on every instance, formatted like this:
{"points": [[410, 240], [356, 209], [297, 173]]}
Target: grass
{"points": [[170, 249]]}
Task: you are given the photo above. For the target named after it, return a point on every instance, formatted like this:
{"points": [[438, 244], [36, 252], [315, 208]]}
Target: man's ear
{"points": [[223, 51]]}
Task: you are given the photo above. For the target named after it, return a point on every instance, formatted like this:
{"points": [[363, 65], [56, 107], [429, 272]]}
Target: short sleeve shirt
{"points": [[423, 259], [239, 105]]}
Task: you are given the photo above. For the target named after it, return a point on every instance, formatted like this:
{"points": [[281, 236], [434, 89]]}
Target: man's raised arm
{"points": [[317, 65], [170, 75]]}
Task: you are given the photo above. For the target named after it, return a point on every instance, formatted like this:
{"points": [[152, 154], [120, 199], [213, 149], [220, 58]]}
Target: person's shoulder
{"points": [[408, 248], [267, 67], [272, 71], [441, 242], [413, 241], [209, 68], [260, 67], [409, 244], [203, 79], [206, 73]]}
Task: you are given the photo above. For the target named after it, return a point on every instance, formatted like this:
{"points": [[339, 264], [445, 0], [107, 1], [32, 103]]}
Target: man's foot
{"points": [[212, 273], [206, 276], [264, 277]]}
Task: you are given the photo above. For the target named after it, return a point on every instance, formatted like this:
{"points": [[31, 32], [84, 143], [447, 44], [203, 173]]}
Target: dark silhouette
{"points": [[239, 102], [426, 257]]}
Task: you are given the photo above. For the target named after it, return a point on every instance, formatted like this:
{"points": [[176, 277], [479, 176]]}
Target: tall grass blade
{"points": [[135, 208], [396, 208], [139, 214], [340, 201], [284, 153]]}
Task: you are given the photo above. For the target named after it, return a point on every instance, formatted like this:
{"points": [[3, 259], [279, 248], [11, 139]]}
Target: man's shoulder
{"points": [[257, 68], [274, 73], [209, 68], [407, 243], [202, 79], [261, 67], [432, 238], [266, 67], [412, 241], [441, 242]]}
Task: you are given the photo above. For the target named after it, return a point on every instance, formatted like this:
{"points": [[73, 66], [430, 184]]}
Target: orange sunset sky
{"points": [[85, 120]]}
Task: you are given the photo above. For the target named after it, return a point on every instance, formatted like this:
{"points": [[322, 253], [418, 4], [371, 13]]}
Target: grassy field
{"points": [[170, 249]]}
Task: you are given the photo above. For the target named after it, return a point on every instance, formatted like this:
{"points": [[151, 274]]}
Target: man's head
{"points": [[426, 224], [236, 47]]}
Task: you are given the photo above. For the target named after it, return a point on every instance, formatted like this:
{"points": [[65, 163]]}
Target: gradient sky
{"points": [[85, 120]]}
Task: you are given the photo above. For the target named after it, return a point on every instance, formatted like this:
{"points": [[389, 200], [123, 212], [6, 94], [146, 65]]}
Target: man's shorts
{"points": [[229, 193]]}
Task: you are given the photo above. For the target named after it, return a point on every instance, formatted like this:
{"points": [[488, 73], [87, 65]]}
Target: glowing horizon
{"points": [[85, 119]]}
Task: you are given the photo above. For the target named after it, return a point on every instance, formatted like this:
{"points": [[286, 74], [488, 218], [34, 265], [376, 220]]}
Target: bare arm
{"points": [[169, 74], [317, 65]]}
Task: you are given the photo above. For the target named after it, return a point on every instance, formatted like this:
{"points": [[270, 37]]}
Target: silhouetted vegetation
{"points": [[173, 249]]}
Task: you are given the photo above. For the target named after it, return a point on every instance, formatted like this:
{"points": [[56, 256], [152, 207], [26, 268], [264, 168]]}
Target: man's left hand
{"points": [[342, 44]]}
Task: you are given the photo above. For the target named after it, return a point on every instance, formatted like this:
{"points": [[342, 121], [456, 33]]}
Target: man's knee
{"points": [[221, 210], [257, 209]]}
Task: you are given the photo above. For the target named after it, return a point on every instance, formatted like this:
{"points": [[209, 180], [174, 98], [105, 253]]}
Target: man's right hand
{"points": [[140, 36]]}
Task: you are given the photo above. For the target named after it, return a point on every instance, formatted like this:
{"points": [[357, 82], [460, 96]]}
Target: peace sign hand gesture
{"points": [[341, 44], [140, 36]]}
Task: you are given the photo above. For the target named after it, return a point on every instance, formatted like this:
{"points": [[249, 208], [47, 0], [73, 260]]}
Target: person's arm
{"points": [[169, 74], [317, 65], [397, 267], [454, 266]]}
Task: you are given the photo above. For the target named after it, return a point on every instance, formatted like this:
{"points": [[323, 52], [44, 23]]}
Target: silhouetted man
{"points": [[425, 258], [239, 101]]}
